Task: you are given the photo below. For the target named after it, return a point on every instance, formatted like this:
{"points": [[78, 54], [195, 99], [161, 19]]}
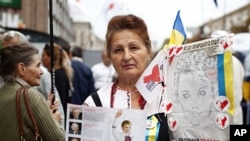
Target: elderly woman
{"points": [[14, 37], [129, 48], [20, 67]]}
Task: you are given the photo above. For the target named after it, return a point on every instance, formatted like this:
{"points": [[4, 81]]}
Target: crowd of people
{"points": [[125, 58]]}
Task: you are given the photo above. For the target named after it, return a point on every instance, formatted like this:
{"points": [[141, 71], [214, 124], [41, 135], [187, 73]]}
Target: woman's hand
{"points": [[57, 116], [53, 105]]}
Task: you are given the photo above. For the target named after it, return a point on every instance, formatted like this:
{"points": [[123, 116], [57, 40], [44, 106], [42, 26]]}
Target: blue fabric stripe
{"points": [[147, 137], [153, 133], [157, 130], [221, 75]]}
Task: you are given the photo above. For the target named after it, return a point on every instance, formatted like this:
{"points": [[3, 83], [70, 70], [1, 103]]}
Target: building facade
{"points": [[238, 17], [34, 15]]}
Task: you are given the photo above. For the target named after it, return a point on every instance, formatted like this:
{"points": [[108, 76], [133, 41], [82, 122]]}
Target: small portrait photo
{"points": [[75, 128], [122, 131], [75, 113], [74, 139]]}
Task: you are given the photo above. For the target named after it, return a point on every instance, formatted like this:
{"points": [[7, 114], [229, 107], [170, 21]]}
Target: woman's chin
{"points": [[35, 84]]}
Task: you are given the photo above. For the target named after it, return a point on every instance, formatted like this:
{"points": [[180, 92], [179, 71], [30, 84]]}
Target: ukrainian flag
{"points": [[225, 78], [178, 35]]}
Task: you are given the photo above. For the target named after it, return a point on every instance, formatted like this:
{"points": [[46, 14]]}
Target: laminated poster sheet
{"points": [[85, 123], [197, 90], [200, 90]]}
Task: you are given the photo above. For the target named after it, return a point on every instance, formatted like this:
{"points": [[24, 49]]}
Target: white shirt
{"points": [[102, 74], [121, 100]]}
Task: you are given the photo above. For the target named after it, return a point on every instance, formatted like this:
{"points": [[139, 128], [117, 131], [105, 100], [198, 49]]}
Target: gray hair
{"points": [[11, 55], [11, 34], [76, 51]]}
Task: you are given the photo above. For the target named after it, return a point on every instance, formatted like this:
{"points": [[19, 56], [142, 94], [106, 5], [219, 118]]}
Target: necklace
{"points": [[115, 87]]}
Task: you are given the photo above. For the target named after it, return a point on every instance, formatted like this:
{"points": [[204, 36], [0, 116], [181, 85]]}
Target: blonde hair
{"points": [[61, 60]]}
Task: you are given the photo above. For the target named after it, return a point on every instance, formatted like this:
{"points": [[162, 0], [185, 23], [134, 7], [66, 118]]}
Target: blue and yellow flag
{"points": [[178, 35]]}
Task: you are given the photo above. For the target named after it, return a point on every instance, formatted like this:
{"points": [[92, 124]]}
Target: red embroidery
{"points": [[141, 101]]}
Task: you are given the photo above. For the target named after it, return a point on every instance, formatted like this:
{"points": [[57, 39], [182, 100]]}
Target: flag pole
{"points": [[52, 47]]}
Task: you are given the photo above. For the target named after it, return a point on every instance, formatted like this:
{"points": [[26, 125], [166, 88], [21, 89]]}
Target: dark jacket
{"points": [[83, 82]]}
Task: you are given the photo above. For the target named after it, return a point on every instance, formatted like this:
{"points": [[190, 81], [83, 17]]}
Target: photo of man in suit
{"points": [[76, 114], [75, 128]]}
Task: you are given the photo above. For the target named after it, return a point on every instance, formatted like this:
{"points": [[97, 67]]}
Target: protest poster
{"points": [[86, 123], [199, 94], [195, 82]]}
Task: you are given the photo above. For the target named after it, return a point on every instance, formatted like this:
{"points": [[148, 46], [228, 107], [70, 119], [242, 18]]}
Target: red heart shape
{"points": [[169, 106]]}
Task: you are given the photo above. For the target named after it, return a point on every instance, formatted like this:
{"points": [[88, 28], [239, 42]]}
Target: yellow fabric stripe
{"points": [[228, 70], [152, 133]]}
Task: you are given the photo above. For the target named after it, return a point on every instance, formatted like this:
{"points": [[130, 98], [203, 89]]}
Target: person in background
{"points": [[63, 72], [238, 77], [83, 81], [103, 72], [14, 37], [20, 67], [240, 55], [129, 48], [246, 90]]}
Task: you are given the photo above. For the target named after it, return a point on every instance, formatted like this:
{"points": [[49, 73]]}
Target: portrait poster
{"points": [[105, 124], [199, 94]]}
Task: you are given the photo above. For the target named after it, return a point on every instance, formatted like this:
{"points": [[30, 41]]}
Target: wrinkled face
{"points": [[128, 54], [32, 73], [46, 60]]}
